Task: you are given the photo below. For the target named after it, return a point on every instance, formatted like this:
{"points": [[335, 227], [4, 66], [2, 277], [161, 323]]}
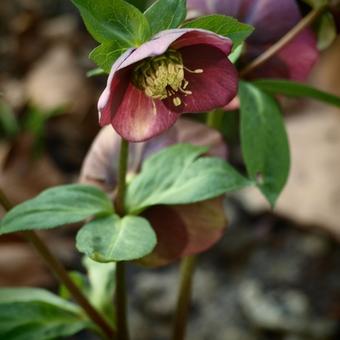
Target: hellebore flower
{"points": [[272, 19], [178, 71], [181, 229]]}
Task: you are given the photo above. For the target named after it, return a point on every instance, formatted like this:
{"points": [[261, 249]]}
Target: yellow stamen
{"points": [[177, 101], [199, 70], [163, 76]]}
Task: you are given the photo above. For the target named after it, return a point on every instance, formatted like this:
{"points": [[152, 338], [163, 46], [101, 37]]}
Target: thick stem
{"points": [[60, 272], [184, 297], [120, 296], [289, 36]]}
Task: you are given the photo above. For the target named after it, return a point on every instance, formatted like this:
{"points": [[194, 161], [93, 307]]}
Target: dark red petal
{"points": [[139, 117], [213, 88], [112, 97], [195, 37], [116, 81], [300, 55], [184, 230], [205, 224], [172, 236], [294, 61]]}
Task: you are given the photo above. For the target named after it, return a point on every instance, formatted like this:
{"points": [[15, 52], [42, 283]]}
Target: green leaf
{"points": [[8, 122], [98, 286], [80, 280], [326, 30], [114, 20], [33, 313], [95, 72], [55, 207], [264, 141], [116, 239], [165, 14], [8, 295], [236, 53], [140, 4], [106, 54], [316, 3], [102, 284], [295, 89], [176, 175], [223, 25]]}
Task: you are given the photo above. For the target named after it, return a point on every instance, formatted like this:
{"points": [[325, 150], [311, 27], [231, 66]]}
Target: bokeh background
{"points": [[274, 275]]}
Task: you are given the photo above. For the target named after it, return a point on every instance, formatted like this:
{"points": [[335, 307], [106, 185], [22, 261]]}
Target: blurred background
{"points": [[274, 275]]}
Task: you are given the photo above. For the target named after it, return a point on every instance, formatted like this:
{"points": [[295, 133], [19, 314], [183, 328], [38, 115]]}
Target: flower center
{"points": [[163, 76]]}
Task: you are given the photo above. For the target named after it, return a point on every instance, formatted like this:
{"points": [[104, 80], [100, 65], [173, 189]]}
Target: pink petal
{"points": [[139, 117], [195, 37], [175, 38], [213, 88]]}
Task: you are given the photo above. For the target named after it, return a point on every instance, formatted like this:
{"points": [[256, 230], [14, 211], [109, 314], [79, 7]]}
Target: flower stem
{"points": [[60, 272], [120, 300], [120, 296], [123, 164], [289, 36], [188, 265], [214, 119], [184, 296]]}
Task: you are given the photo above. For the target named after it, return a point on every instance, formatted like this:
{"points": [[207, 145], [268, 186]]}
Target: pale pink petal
{"points": [[195, 37]]}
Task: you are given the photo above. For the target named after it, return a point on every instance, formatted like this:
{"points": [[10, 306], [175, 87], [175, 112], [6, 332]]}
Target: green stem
{"points": [[288, 37], [214, 119], [184, 296], [120, 296], [123, 164], [121, 305], [60, 272], [188, 266]]}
